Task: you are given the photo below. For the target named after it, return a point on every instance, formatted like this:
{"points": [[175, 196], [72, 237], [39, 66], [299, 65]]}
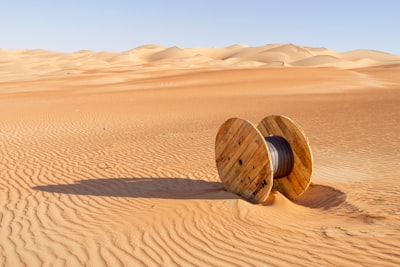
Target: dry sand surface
{"points": [[107, 159]]}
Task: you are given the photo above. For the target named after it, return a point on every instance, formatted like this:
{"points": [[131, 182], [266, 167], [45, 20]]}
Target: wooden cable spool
{"points": [[253, 160]]}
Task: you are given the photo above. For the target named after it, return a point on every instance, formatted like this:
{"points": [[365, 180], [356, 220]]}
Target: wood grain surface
{"points": [[293, 185], [243, 160]]}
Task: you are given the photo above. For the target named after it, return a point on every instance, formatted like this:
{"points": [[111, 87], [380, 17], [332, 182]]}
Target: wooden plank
{"points": [[236, 146], [227, 131], [243, 160]]}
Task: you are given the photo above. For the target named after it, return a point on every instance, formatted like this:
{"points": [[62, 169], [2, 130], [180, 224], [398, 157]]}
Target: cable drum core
{"points": [[281, 155]]}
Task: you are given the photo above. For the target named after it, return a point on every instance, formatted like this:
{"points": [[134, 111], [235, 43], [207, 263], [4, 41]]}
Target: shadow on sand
{"points": [[321, 196], [317, 196], [169, 188]]}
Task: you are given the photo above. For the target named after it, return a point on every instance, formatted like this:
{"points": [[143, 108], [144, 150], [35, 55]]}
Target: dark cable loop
{"points": [[281, 155]]}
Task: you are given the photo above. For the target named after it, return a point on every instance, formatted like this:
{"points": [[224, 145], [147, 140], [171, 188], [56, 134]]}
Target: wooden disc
{"points": [[299, 178], [243, 160]]}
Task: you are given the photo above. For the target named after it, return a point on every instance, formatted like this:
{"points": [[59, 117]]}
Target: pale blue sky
{"points": [[119, 25]]}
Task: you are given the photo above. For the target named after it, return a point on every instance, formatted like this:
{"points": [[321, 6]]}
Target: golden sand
{"points": [[107, 159]]}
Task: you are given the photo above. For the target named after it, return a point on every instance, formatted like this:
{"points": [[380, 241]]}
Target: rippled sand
{"points": [[113, 165]]}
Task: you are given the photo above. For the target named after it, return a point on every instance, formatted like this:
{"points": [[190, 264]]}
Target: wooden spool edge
{"points": [[297, 182], [228, 135]]}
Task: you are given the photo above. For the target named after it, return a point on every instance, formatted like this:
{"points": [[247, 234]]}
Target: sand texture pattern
{"points": [[107, 159]]}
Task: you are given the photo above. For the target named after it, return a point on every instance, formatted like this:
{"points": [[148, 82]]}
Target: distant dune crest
{"points": [[42, 62]]}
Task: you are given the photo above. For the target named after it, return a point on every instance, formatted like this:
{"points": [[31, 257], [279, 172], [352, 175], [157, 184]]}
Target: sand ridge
{"points": [[27, 63], [107, 159]]}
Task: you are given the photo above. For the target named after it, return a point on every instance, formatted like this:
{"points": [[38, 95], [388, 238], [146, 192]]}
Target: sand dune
{"points": [[107, 159], [28, 63], [317, 61]]}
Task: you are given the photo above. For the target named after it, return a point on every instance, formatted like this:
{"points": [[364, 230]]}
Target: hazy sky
{"points": [[119, 25]]}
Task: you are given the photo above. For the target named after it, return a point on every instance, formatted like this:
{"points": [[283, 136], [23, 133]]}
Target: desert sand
{"points": [[107, 159]]}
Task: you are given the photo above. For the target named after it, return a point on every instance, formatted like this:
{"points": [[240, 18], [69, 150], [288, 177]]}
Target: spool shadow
{"points": [[316, 196], [167, 188], [321, 196]]}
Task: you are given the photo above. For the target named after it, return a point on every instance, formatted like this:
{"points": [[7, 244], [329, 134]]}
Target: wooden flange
{"points": [[244, 162], [293, 185]]}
